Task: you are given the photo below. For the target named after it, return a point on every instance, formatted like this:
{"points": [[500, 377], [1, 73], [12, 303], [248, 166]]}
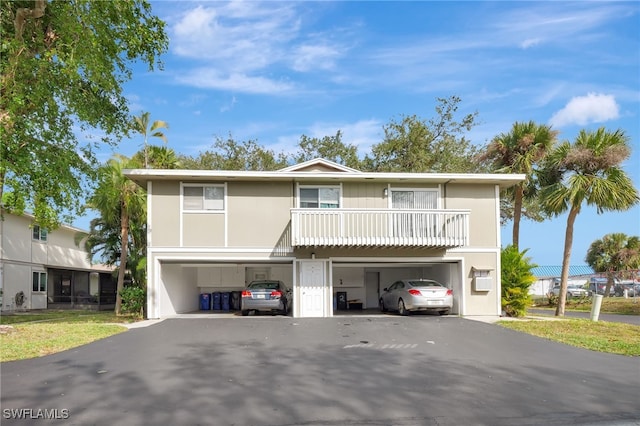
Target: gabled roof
{"points": [[319, 165]]}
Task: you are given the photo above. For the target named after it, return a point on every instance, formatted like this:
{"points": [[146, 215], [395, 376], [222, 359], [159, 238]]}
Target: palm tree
{"points": [[614, 255], [122, 205], [140, 124], [158, 157], [519, 151], [587, 170]]}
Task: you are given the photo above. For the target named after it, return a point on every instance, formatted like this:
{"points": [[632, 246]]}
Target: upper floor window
{"points": [[414, 199], [39, 233], [319, 198], [203, 197], [39, 281]]}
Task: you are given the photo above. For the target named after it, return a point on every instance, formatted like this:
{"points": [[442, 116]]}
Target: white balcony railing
{"points": [[381, 227]]}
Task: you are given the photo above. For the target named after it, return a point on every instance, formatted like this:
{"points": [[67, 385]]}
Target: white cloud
{"points": [[238, 82], [530, 42], [312, 57], [582, 110]]}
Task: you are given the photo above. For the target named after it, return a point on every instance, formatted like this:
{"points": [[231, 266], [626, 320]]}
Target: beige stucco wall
{"points": [[203, 229], [164, 220], [362, 195], [60, 249], [480, 199], [258, 214], [481, 302]]}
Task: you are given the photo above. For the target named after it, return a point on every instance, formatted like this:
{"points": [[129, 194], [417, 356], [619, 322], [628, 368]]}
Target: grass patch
{"points": [[66, 316], [38, 333], [615, 338], [39, 339], [610, 305]]}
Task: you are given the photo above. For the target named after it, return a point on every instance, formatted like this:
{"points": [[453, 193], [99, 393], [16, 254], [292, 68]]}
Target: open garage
{"points": [[344, 286]]}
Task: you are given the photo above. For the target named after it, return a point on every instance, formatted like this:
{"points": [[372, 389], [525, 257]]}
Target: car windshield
{"points": [[425, 284], [267, 285]]}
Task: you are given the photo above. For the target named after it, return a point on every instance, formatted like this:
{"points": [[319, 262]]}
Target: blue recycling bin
{"points": [[217, 296], [226, 298], [205, 301]]}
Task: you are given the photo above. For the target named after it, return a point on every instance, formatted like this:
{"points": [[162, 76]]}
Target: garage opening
{"points": [[212, 288], [357, 286]]}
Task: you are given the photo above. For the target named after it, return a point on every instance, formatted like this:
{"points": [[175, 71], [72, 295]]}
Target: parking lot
{"points": [[384, 370]]}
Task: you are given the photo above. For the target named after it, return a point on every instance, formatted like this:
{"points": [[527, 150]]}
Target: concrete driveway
{"points": [[418, 370]]}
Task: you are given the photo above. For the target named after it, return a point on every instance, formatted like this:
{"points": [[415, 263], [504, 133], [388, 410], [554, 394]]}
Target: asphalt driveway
{"points": [[418, 370]]}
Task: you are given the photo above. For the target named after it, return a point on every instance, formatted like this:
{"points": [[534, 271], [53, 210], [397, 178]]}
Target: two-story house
{"points": [[41, 269], [321, 228]]}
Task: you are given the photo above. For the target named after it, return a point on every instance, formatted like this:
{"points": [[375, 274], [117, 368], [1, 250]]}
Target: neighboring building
{"points": [[548, 276], [41, 269], [322, 228]]}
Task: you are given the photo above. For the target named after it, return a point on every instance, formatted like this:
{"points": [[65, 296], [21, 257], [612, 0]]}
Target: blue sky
{"points": [[272, 71]]}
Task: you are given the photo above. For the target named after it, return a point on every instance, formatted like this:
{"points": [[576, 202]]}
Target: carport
{"points": [[179, 283], [359, 281]]}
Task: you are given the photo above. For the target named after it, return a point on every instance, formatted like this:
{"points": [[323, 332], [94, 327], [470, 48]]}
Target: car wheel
{"points": [[444, 312], [245, 312], [381, 305], [402, 310]]}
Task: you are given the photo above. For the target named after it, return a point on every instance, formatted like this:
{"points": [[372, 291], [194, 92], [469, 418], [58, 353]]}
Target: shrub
{"points": [[516, 280], [133, 300]]}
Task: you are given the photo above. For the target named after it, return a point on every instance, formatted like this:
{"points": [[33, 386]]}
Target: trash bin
{"points": [[235, 300], [216, 301], [205, 301], [342, 300], [226, 298]]}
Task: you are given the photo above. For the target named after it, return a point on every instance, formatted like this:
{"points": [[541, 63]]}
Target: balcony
{"points": [[379, 228]]}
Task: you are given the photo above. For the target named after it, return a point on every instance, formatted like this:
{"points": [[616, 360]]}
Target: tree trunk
{"points": [[607, 288], [124, 238], [568, 243], [517, 214]]}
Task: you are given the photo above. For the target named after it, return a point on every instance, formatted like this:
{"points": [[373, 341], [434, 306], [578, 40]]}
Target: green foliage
{"points": [[520, 151], [133, 300], [231, 155], [330, 148], [586, 171], [140, 124], [516, 280], [122, 221], [62, 75], [413, 144], [615, 255]]}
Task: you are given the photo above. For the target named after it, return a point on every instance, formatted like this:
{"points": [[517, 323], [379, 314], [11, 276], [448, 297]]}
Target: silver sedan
{"points": [[265, 295], [407, 296]]}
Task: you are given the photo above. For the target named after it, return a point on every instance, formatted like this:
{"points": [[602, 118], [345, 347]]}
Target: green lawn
{"points": [[610, 305], [38, 333], [616, 338]]}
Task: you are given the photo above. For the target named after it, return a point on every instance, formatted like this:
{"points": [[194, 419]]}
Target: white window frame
{"points": [[212, 203], [405, 189], [318, 187], [40, 276], [38, 233]]}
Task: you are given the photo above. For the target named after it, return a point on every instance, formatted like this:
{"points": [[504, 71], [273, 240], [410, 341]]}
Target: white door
{"points": [[312, 288]]}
